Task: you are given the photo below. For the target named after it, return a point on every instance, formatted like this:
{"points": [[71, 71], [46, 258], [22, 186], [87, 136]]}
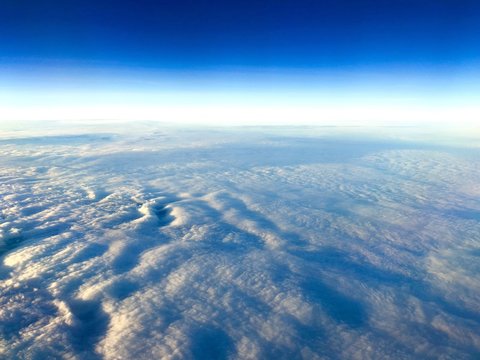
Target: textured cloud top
{"points": [[241, 244]]}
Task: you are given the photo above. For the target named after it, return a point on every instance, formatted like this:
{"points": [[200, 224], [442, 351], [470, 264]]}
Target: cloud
{"points": [[237, 244]]}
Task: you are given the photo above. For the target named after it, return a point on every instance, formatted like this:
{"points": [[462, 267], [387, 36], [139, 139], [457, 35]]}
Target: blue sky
{"points": [[245, 53]]}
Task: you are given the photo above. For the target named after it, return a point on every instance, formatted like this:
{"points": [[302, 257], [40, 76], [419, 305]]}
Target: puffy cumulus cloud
{"points": [[245, 244]]}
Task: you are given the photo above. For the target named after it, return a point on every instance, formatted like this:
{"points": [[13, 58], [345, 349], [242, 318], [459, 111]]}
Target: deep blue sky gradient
{"points": [[80, 53], [187, 34]]}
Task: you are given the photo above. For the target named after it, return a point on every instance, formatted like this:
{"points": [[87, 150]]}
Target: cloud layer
{"points": [[237, 244]]}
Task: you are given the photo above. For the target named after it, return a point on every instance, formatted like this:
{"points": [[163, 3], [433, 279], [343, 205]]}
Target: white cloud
{"points": [[245, 244]]}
